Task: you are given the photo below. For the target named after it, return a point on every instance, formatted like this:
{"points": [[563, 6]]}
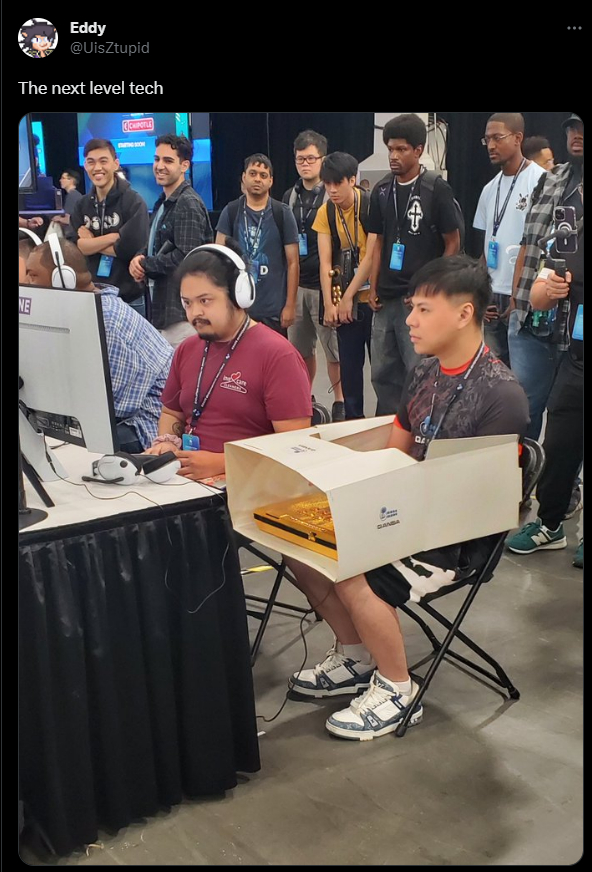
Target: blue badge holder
{"points": [[397, 256], [302, 245], [492, 254], [105, 264], [190, 443], [578, 328]]}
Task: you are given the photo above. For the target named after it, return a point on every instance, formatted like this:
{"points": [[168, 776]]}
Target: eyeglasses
{"points": [[309, 159], [495, 137]]}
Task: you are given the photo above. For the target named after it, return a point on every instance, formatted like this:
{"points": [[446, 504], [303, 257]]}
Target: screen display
{"points": [[39, 144], [27, 174], [134, 138]]}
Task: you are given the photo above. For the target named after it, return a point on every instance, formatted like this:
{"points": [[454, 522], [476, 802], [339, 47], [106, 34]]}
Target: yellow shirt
{"points": [[321, 225]]}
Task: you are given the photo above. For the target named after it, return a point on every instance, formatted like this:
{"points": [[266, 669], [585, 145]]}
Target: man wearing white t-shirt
{"points": [[501, 212]]}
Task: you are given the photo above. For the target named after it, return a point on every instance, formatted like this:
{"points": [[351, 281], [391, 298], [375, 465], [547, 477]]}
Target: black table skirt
{"points": [[131, 694]]}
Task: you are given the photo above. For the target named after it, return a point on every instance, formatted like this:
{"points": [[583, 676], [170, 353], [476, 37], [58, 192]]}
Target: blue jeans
{"points": [[393, 354], [534, 360], [495, 332], [353, 340]]}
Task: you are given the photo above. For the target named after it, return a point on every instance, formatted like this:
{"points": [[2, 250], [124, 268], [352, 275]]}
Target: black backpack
{"points": [[277, 209], [427, 182]]}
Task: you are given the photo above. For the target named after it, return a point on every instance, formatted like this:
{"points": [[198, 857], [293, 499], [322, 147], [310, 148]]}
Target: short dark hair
{"points": [[338, 166], [218, 269], [409, 127], [258, 159], [514, 121], [72, 255], [533, 145], [92, 144], [459, 275], [310, 137], [74, 175], [180, 144], [26, 244]]}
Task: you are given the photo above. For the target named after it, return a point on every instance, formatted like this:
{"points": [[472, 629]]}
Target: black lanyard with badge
{"points": [[353, 243], [105, 260], [427, 428], [198, 407], [252, 245], [302, 238], [398, 249], [498, 217]]}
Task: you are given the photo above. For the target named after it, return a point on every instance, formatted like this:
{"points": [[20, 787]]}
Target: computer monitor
{"points": [[27, 171], [64, 366]]}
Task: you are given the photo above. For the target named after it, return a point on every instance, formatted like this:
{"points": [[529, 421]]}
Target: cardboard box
{"points": [[385, 505]]}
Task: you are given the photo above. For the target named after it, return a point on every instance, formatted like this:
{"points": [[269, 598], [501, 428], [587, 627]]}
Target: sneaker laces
{"points": [[371, 698], [333, 659]]}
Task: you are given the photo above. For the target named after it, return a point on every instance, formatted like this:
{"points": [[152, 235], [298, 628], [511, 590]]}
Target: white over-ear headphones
{"points": [[122, 468], [63, 276], [243, 292], [30, 233]]}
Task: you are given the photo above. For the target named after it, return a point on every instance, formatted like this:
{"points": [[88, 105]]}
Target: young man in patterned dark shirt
{"points": [[460, 390]]}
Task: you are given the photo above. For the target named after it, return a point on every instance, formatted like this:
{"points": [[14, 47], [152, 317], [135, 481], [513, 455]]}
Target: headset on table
{"points": [[242, 292], [122, 468]]}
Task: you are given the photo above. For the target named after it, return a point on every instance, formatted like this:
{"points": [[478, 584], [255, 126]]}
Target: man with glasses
{"points": [[111, 223], [304, 199], [69, 181], [501, 212]]}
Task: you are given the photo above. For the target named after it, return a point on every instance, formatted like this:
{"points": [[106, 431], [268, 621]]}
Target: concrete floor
{"points": [[482, 781]]}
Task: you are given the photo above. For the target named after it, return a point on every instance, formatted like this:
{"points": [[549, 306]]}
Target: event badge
{"points": [[105, 264], [578, 328], [397, 256], [492, 254], [190, 443], [302, 245]]}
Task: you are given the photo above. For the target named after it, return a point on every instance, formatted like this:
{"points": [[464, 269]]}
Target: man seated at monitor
{"points": [[139, 357], [236, 378]]}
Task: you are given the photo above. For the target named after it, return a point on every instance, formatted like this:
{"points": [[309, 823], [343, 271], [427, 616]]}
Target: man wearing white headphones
{"points": [[236, 378], [139, 357]]}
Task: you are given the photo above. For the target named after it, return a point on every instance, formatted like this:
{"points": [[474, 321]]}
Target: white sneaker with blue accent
{"points": [[336, 675], [375, 713]]}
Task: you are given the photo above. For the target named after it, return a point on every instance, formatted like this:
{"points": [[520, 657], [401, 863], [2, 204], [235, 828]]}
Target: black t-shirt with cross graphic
{"points": [[421, 234]]}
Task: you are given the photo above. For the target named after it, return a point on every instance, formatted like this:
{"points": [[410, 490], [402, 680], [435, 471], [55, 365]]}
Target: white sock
{"points": [[403, 687], [356, 652]]}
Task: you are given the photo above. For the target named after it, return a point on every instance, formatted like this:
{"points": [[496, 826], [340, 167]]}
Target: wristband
{"points": [[168, 437]]}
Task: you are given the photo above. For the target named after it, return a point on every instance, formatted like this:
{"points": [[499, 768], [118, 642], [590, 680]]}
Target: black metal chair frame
{"points": [[532, 462], [271, 602]]}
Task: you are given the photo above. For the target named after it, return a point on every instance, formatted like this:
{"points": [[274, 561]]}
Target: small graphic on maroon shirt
{"points": [[234, 382]]}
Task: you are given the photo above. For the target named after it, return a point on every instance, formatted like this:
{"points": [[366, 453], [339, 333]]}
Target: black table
{"points": [[132, 696]]}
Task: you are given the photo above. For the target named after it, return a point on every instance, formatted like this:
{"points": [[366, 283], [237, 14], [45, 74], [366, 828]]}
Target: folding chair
{"points": [[532, 461], [271, 602]]}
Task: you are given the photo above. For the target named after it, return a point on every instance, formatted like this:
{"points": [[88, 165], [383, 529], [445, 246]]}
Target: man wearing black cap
{"points": [[533, 355]]}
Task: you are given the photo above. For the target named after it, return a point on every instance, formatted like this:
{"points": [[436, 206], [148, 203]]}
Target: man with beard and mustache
{"points": [[500, 215], [237, 378], [565, 404]]}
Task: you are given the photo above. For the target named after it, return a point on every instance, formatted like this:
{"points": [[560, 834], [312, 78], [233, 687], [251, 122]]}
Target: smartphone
{"points": [[565, 219]]}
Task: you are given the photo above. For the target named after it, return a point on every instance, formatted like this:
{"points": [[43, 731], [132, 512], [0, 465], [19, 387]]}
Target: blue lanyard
{"points": [[498, 216], [198, 407], [252, 248]]}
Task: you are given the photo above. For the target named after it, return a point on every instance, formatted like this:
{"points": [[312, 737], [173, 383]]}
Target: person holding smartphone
{"points": [[111, 223]]}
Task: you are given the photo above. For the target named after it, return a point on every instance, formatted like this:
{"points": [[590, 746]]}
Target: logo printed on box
{"points": [[24, 305], [138, 125], [384, 515]]}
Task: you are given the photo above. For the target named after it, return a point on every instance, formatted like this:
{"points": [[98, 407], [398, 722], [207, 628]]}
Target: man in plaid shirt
{"points": [[180, 222], [139, 357], [533, 354]]}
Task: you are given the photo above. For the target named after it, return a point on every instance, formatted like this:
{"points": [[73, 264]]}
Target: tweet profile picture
{"points": [[38, 38]]}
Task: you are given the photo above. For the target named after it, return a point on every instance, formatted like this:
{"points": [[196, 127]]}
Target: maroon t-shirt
{"points": [[265, 380]]}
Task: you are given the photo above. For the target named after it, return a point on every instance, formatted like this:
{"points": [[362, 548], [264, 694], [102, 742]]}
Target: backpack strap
{"points": [[233, 208], [331, 218], [277, 210]]}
